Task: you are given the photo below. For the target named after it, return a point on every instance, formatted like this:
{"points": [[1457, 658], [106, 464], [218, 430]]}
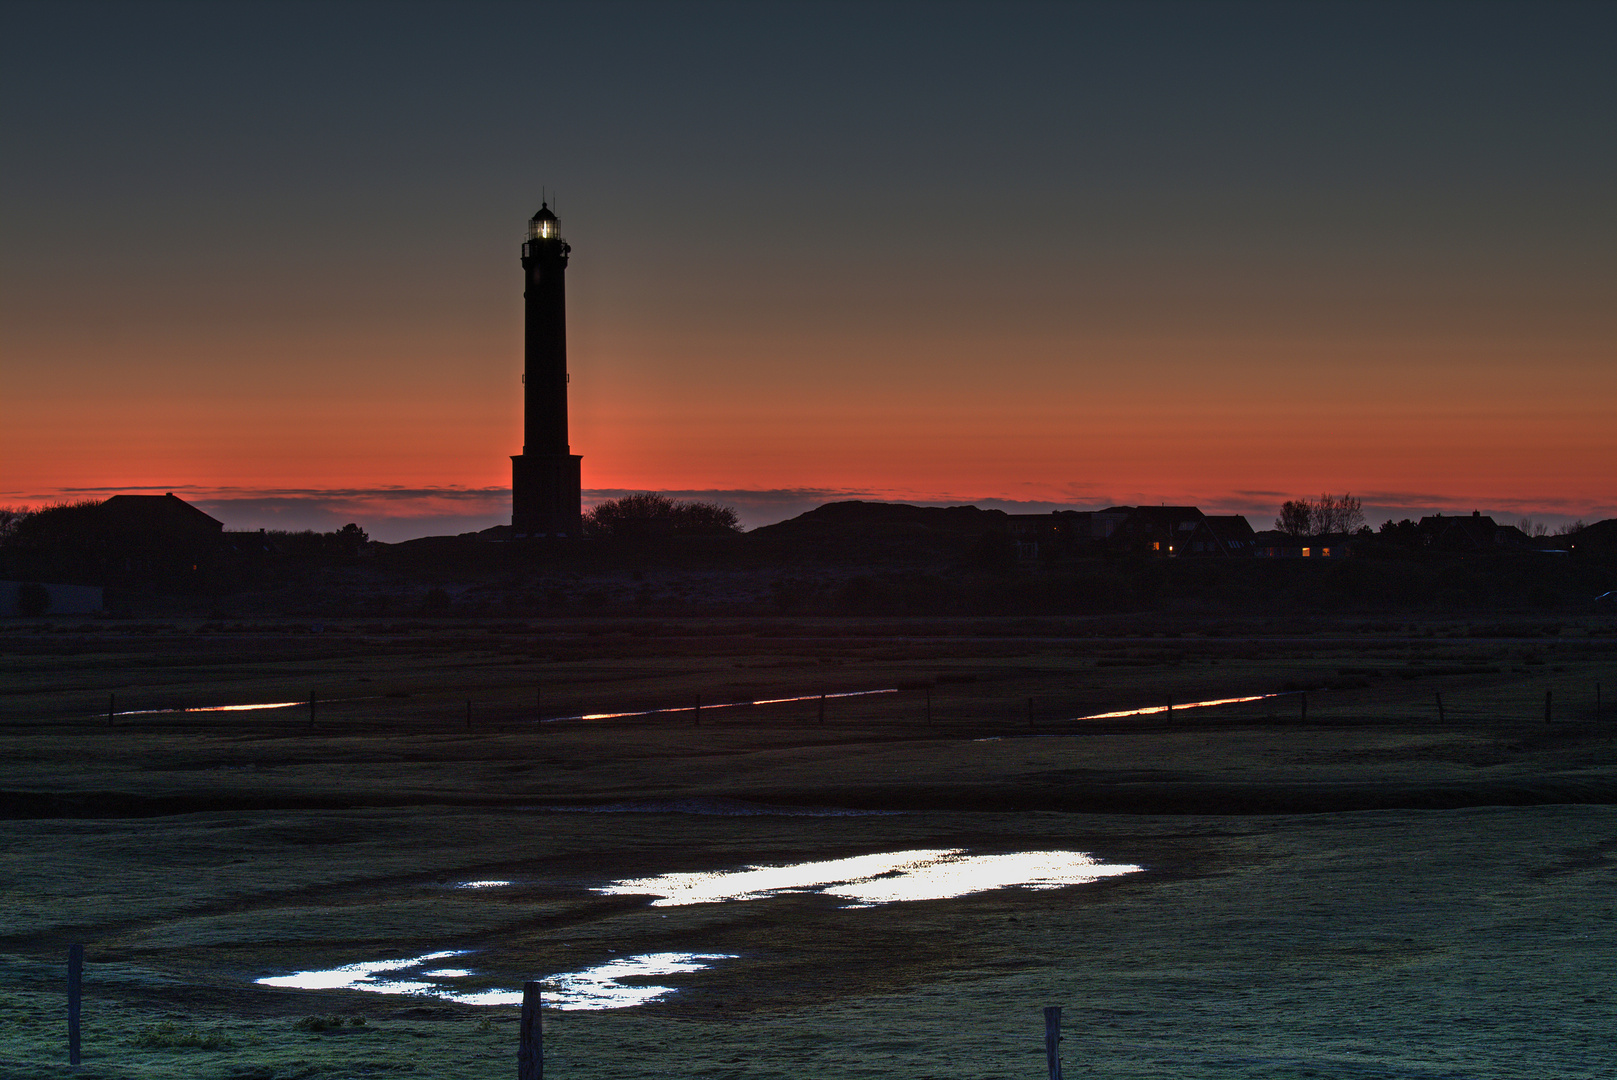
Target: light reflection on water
{"points": [[671, 709], [599, 987], [1152, 710], [211, 708], [886, 878], [862, 880], [359, 976]]}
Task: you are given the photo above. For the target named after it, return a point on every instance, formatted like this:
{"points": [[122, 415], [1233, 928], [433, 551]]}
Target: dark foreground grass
{"points": [[1461, 943], [1471, 940]]}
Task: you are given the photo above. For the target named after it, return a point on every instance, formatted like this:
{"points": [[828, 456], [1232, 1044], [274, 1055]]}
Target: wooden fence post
{"points": [[531, 1048], [112, 704], [822, 704], [75, 976], [697, 712], [1170, 706], [1052, 1040], [1440, 706]]}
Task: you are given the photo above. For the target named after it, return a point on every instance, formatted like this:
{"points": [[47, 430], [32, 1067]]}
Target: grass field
{"points": [[1368, 888]]}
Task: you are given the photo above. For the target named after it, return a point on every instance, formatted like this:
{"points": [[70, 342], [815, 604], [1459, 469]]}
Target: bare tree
{"points": [[1337, 514], [1329, 515], [1533, 528]]}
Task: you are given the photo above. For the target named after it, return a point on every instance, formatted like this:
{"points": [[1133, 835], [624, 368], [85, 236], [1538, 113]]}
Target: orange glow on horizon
{"points": [[1219, 420]]}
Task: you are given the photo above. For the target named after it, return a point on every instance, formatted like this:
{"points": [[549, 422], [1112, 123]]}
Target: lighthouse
{"points": [[545, 485]]}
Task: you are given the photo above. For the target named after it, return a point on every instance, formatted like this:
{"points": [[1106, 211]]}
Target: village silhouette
{"points": [[144, 551]]}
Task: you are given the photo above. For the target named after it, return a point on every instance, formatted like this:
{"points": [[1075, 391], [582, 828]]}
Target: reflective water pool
{"points": [[599, 987], [862, 881], [1152, 710], [670, 710], [887, 878]]}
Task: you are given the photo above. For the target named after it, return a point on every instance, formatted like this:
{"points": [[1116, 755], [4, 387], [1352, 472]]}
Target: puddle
{"points": [[209, 708], [599, 987], [719, 705], [1152, 710], [360, 976], [861, 881], [868, 880], [549, 720]]}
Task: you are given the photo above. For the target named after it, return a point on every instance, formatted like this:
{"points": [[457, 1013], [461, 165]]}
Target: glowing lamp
{"points": [[543, 225]]}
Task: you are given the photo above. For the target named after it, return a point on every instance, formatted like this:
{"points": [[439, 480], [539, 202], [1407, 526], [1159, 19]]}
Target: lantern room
{"points": [[543, 225]]}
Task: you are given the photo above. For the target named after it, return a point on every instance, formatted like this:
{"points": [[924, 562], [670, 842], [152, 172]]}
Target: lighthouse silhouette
{"points": [[545, 485]]}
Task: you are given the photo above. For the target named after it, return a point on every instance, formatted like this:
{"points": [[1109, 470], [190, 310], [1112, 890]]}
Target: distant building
{"points": [[165, 516], [1278, 545], [1037, 534], [1168, 532], [1475, 533], [1165, 532], [1234, 535]]}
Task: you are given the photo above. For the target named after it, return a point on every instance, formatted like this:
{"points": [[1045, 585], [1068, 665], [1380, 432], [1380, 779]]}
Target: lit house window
{"points": [[1306, 552], [1325, 553], [1156, 545]]}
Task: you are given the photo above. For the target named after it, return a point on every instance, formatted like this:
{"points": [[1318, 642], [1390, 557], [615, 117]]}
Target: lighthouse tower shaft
{"points": [[545, 478]]}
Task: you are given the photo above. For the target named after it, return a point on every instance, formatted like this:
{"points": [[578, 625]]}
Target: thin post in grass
{"points": [[468, 714], [531, 1036], [1597, 703], [1052, 1040], [538, 705], [1547, 695], [1030, 713], [929, 702], [311, 708], [112, 705], [75, 979], [1170, 706], [1440, 706], [1305, 706], [822, 704], [696, 713]]}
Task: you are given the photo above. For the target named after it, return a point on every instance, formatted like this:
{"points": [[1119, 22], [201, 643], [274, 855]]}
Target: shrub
{"points": [[170, 1036], [652, 514], [327, 1023]]}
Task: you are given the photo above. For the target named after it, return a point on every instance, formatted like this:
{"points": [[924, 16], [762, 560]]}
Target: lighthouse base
{"points": [[546, 495]]}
